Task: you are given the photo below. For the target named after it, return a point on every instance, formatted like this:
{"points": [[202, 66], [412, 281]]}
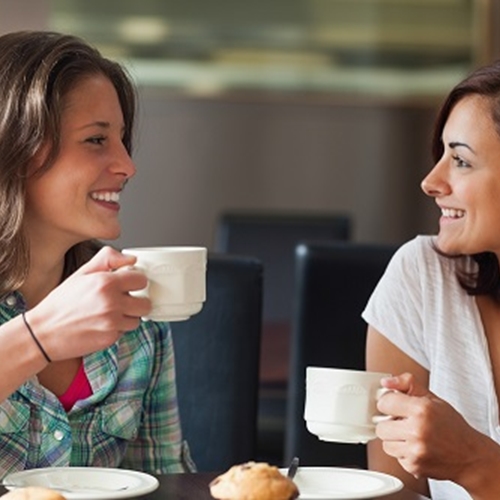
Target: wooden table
{"points": [[195, 487]]}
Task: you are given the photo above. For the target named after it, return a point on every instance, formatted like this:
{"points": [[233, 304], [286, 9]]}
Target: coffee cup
{"points": [[341, 404], [176, 280]]}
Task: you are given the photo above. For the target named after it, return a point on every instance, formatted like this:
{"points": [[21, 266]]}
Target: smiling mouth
{"points": [[108, 196], [452, 213]]}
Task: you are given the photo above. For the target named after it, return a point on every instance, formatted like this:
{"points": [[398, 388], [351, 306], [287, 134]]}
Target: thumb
{"points": [[106, 259], [405, 383]]}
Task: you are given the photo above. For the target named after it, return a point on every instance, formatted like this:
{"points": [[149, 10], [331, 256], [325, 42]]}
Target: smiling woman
{"points": [[77, 198], [74, 389], [434, 317], [465, 182]]}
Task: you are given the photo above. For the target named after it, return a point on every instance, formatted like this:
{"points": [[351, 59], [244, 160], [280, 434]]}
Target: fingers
{"points": [[392, 430], [126, 278], [136, 307], [399, 450], [115, 290], [405, 383], [127, 324], [130, 279], [403, 395], [107, 259]]}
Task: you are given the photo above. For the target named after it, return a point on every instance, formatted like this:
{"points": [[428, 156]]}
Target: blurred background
{"points": [[308, 106]]}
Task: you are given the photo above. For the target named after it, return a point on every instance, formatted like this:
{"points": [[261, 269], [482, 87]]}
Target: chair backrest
{"points": [[272, 238], [217, 362], [333, 284]]}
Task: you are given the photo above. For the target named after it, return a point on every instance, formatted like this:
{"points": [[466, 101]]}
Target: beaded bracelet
{"points": [[33, 336]]}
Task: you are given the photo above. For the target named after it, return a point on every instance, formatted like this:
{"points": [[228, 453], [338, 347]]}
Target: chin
{"points": [[108, 234], [448, 247], [109, 237]]}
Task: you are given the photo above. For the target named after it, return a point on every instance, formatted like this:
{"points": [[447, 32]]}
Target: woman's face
{"points": [[78, 197], [466, 180]]}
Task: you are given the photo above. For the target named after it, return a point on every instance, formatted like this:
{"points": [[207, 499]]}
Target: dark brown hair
{"points": [[484, 82], [37, 70]]}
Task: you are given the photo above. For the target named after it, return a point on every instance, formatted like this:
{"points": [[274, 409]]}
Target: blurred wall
{"points": [[23, 14], [198, 157]]}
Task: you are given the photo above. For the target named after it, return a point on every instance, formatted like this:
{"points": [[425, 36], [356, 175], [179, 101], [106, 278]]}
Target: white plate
{"points": [[330, 483], [85, 482]]}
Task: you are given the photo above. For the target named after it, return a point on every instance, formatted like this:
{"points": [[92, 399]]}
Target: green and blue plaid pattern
{"points": [[131, 420]]}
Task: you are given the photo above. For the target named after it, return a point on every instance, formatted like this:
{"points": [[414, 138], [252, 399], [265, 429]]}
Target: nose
{"points": [[435, 183], [122, 163]]}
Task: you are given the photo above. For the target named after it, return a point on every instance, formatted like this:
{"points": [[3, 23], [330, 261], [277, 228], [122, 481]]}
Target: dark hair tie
{"points": [[33, 336]]}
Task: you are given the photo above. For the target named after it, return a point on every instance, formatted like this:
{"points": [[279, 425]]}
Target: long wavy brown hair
{"points": [[37, 70], [485, 82]]}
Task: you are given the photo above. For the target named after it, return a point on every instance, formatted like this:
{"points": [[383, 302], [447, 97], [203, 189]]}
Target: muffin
{"points": [[32, 493], [253, 481]]}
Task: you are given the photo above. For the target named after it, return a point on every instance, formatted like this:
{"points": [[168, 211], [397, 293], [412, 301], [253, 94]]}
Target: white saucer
{"points": [[331, 483], [81, 483]]}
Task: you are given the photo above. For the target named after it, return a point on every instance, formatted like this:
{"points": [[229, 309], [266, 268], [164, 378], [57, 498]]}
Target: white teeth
{"points": [[452, 213], [106, 196]]}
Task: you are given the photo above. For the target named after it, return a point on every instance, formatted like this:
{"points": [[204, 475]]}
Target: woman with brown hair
{"points": [[434, 318], [84, 381]]}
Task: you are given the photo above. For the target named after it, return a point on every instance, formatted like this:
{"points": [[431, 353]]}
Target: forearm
{"points": [[20, 357], [480, 475]]}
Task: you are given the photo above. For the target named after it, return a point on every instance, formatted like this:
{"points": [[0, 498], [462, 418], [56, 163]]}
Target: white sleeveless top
{"points": [[421, 308]]}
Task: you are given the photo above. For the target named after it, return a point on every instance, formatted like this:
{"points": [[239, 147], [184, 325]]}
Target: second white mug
{"points": [[341, 405]]}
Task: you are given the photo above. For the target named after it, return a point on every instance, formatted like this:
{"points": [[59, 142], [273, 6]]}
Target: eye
{"points": [[97, 140], [459, 162]]}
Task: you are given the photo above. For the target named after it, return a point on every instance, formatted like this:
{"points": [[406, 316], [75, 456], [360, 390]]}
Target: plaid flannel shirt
{"points": [[131, 420]]}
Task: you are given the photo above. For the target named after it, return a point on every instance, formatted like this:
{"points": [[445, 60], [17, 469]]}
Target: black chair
{"points": [[334, 282], [272, 238], [217, 360]]}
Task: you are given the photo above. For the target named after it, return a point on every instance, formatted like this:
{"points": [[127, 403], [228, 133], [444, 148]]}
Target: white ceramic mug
{"points": [[341, 405], [176, 280]]}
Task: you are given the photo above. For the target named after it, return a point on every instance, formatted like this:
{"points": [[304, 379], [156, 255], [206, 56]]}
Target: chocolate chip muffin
{"points": [[253, 481]]}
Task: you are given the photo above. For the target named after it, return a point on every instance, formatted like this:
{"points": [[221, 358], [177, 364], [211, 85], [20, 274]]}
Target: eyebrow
{"points": [[454, 145], [101, 124], [95, 124]]}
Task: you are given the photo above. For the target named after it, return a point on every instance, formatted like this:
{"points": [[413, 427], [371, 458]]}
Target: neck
{"points": [[45, 274], [47, 256]]}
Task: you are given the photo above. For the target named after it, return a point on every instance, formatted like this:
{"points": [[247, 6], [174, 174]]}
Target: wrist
{"points": [[43, 341], [35, 339]]}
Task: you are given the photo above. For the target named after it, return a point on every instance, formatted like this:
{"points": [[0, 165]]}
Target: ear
{"points": [[40, 161]]}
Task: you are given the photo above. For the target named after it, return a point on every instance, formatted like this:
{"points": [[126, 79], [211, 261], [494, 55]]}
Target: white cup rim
{"points": [[164, 249], [331, 369]]}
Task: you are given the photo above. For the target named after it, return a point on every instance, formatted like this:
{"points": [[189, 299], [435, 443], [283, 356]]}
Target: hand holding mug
{"points": [[92, 308], [430, 438]]}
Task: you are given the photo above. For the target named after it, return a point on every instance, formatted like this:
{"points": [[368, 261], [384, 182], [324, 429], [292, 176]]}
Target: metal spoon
{"points": [[294, 465]]}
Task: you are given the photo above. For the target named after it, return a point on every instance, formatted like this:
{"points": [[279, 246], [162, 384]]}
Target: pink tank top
{"points": [[78, 389]]}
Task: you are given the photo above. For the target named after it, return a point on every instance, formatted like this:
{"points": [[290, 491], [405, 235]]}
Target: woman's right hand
{"points": [[92, 308], [431, 439]]}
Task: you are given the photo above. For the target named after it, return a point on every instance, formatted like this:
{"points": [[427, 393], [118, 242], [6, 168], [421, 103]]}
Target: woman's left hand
{"points": [[430, 438]]}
